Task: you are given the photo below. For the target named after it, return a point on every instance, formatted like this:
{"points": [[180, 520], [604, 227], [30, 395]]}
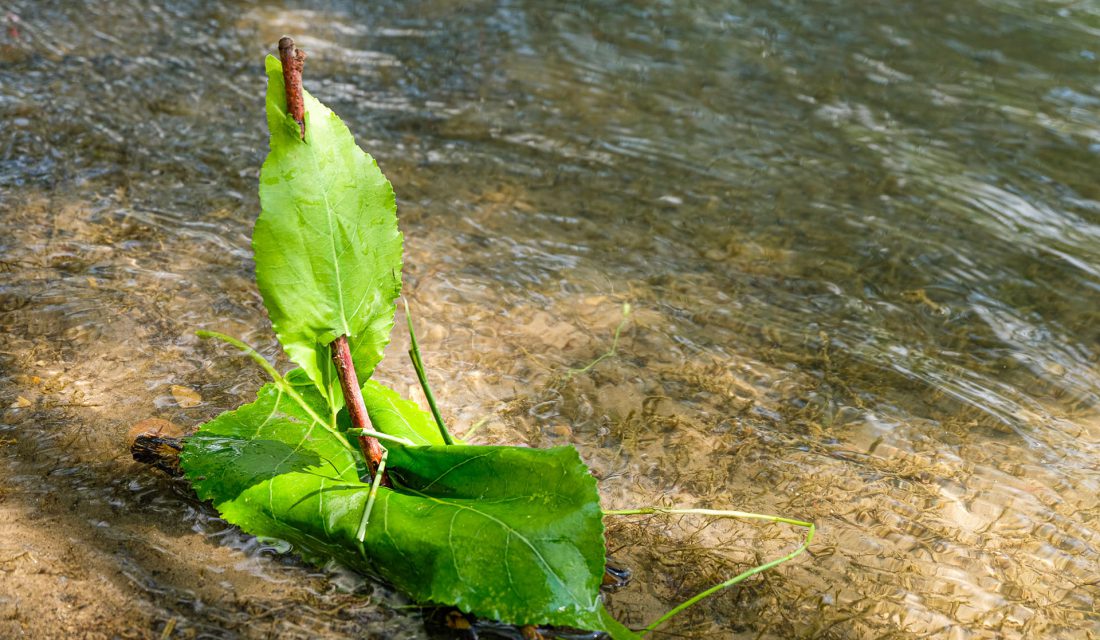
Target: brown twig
{"points": [[353, 399], [293, 60]]}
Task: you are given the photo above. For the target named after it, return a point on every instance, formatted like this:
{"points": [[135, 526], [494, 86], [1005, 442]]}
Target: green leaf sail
{"points": [[508, 533], [328, 251], [393, 415]]}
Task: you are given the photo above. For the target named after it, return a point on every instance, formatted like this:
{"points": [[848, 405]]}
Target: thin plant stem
{"points": [[248, 351], [475, 428], [418, 364], [375, 483], [386, 436], [809, 526], [612, 352], [278, 379], [717, 513]]}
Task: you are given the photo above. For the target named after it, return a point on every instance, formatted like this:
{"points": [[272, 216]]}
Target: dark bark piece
{"points": [[615, 578], [160, 451]]}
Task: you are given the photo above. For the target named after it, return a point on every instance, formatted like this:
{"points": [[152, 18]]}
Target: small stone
{"points": [[9, 609], [186, 397], [20, 403], [560, 431], [156, 427]]}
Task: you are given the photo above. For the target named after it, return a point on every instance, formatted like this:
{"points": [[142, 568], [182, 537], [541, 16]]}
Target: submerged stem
{"points": [[469, 433], [612, 352], [418, 364], [248, 351], [811, 530], [717, 513]]}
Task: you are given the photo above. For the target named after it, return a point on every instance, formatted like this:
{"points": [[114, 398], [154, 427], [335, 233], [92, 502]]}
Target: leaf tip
{"points": [[272, 65]]}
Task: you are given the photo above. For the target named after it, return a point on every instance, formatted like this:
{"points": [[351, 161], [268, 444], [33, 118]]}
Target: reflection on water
{"points": [[862, 241]]}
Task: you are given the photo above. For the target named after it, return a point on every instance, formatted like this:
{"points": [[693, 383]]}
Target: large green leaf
{"points": [[396, 416], [253, 464], [328, 251], [508, 533], [524, 525]]}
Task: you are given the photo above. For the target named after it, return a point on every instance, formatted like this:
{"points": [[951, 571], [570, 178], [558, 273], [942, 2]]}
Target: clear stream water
{"points": [[861, 241]]}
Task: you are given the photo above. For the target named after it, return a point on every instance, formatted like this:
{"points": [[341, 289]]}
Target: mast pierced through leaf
{"points": [[293, 60]]}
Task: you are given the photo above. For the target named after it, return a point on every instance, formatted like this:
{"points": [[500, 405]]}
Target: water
{"points": [[861, 242]]}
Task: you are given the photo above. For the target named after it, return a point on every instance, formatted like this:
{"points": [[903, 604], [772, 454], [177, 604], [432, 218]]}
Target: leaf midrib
{"points": [[329, 213]]}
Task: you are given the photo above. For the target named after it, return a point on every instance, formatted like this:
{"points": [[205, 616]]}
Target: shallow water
{"points": [[861, 242]]}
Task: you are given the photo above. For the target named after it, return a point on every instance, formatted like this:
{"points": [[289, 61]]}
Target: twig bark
{"points": [[353, 399], [293, 60]]}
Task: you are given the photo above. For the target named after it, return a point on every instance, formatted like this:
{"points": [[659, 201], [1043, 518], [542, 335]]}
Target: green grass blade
{"points": [[702, 595], [418, 364]]}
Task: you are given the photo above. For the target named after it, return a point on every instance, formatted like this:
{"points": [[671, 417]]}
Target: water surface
{"points": [[861, 242]]}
